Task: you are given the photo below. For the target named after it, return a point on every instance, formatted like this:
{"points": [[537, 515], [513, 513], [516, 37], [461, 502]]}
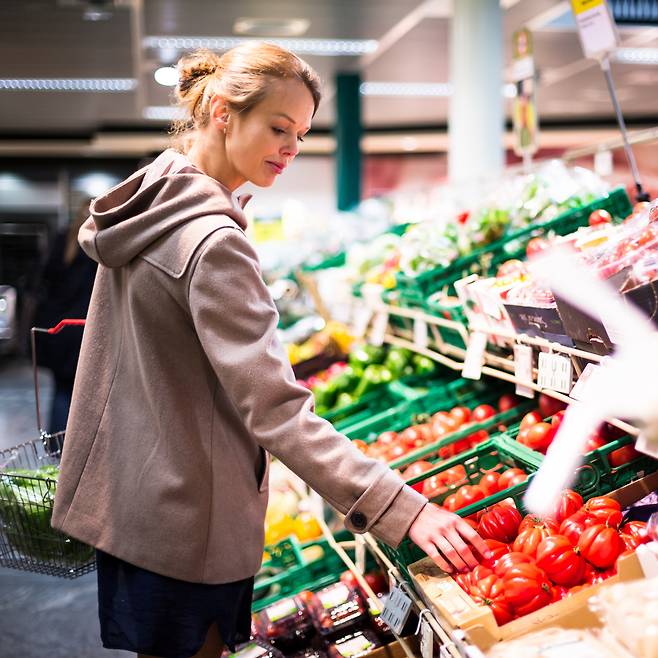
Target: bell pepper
{"points": [[423, 365]]}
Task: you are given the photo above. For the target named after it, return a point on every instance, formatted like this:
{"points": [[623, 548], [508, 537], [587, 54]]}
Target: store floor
{"points": [[41, 616]]}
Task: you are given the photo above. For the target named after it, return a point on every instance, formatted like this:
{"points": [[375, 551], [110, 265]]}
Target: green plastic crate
{"points": [[486, 260], [595, 477]]}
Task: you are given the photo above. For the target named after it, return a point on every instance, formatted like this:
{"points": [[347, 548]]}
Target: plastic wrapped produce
{"points": [[285, 623], [337, 608], [354, 645], [256, 649]]}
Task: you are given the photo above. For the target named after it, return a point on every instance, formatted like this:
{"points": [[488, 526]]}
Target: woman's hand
{"points": [[441, 535]]}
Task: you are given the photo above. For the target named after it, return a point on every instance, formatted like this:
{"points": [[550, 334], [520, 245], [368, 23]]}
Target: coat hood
{"points": [[154, 200]]}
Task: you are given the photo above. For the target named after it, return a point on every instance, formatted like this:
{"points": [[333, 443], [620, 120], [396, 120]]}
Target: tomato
{"points": [[477, 437], [557, 418], [349, 579], [527, 588], [451, 425], [455, 448], [636, 529], [377, 582], [411, 438], [434, 486], [482, 412], [559, 592], [490, 591], [469, 494], [489, 483], [530, 521], [605, 510], [451, 503], [600, 545], [568, 503], [511, 267], [511, 477], [560, 561], [416, 469], [387, 438], [530, 419], [528, 540], [500, 522], [362, 446], [536, 246], [539, 437], [622, 456], [549, 406], [396, 451], [594, 442], [507, 402], [573, 526], [461, 414], [599, 217], [508, 560], [498, 549], [455, 474]]}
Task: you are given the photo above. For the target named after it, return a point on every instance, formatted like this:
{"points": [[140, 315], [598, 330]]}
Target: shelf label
{"points": [[420, 334], [397, 610], [379, 327], [474, 355], [579, 390], [596, 27], [523, 370], [554, 372], [426, 640]]}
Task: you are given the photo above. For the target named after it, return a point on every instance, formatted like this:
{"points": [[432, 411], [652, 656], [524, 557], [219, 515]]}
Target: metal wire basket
{"points": [[28, 479]]}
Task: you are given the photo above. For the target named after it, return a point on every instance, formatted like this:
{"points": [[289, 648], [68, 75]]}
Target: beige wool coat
{"points": [[183, 390]]}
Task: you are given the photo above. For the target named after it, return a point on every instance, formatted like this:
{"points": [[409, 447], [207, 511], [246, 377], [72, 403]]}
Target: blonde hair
{"points": [[240, 76]]}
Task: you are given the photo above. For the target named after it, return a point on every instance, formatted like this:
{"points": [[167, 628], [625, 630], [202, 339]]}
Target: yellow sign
{"points": [[267, 231], [579, 6]]}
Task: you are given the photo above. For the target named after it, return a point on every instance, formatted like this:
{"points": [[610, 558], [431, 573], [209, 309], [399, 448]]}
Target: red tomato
{"points": [[530, 419], [568, 503], [362, 446], [489, 483], [500, 522], [600, 546], [490, 591], [414, 470], [527, 588], [635, 529], [455, 474], [461, 414], [559, 592], [508, 560], [529, 539], [530, 521], [557, 418], [396, 451], [451, 503], [411, 438], [469, 494], [477, 437], [622, 456], [511, 477], [605, 510], [349, 579], [594, 442], [539, 437], [507, 402], [536, 246], [482, 412], [387, 438], [562, 563], [377, 582], [425, 432], [549, 406], [498, 549], [434, 486], [599, 217], [574, 526]]}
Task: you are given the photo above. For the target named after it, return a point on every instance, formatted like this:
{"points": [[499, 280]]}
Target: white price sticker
{"points": [[596, 27], [379, 327], [361, 320], [397, 609], [580, 387], [523, 370], [474, 355], [426, 640], [420, 334], [554, 372]]}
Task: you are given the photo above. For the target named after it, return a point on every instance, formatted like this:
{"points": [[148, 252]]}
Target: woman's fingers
{"points": [[434, 554], [450, 552], [472, 537], [460, 546]]}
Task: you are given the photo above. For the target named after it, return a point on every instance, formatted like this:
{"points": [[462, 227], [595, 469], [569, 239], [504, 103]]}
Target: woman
{"points": [[183, 389]]}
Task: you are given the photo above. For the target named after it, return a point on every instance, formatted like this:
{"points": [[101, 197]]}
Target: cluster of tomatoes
{"points": [[535, 562]]}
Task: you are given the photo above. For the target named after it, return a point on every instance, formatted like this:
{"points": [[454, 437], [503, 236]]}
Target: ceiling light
{"points": [[648, 56], [163, 113], [167, 76], [319, 47], [68, 84], [271, 27], [95, 184], [405, 89]]}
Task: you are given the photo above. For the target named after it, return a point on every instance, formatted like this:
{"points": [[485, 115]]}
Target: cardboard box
{"points": [[394, 649], [444, 596]]}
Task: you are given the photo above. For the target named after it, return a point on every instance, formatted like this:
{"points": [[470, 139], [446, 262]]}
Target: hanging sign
{"points": [[526, 128], [596, 27]]}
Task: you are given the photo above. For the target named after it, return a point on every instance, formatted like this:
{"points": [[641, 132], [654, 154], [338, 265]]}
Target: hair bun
{"points": [[194, 67]]}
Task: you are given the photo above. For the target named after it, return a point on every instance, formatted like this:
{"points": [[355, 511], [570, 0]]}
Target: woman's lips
{"points": [[278, 168]]}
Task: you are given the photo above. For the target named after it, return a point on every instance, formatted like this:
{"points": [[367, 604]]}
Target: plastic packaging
{"points": [[336, 608], [256, 649], [354, 645], [285, 623]]}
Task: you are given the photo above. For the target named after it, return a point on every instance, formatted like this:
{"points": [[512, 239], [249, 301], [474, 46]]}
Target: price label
{"points": [[361, 320], [603, 164], [379, 327], [397, 609], [474, 355], [596, 27], [523, 370], [420, 334], [426, 640], [580, 387], [554, 372]]}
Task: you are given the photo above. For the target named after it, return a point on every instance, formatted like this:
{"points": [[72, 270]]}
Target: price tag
{"points": [[596, 27], [420, 334], [554, 372], [603, 163], [397, 609], [360, 554], [379, 327], [523, 370], [361, 320], [426, 640], [580, 387], [474, 355]]}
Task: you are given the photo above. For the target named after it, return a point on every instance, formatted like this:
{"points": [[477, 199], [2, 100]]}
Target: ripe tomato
{"points": [[396, 451], [549, 406], [451, 503], [622, 456], [562, 563], [568, 503], [599, 217], [500, 522], [508, 560], [411, 438], [605, 510], [498, 549], [477, 437], [461, 414], [507, 402], [530, 521], [530, 419], [528, 540], [434, 486], [489, 483], [377, 582], [636, 529], [527, 588], [600, 546], [482, 412], [387, 438], [594, 442], [455, 474], [362, 446], [559, 592], [557, 418], [469, 494], [349, 579], [511, 477], [490, 591], [536, 246], [574, 526], [539, 437], [414, 470]]}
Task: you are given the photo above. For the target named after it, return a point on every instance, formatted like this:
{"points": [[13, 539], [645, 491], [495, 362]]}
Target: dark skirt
{"points": [[147, 613]]}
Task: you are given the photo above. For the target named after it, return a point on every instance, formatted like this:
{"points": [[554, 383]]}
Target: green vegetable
{"points": [[373, 376], [325, 395], [397, 360], [423, 365], [344, 399]]}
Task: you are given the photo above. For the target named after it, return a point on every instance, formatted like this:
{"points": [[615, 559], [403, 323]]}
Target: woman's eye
{"points": [[278, 131], [300, 139]]}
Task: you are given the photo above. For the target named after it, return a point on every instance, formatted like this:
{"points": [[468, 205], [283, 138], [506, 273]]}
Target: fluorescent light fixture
{"points": [[319, 47], [95, 184], [406, 89], [272, 27], [648, 56], [68, 84], [163, 113], [167, 76]]}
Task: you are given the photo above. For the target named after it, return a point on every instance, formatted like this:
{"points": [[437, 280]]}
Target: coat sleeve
{"points": [[236, 321]]}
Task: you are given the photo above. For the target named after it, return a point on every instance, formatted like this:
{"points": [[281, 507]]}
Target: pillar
{"points": [[348, 140]]}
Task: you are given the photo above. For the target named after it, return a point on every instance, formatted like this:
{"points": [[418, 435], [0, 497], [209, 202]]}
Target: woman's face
{"points": [[263, 142]]}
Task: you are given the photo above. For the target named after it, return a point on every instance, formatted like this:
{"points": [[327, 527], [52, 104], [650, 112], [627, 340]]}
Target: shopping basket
{"points": [[28, 479]]}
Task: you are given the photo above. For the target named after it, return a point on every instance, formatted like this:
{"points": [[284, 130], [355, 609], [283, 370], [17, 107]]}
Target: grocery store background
{"points": [[81, 107]]}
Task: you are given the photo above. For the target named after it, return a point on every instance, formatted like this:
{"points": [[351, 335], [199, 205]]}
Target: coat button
{"points": [[359, 520]]}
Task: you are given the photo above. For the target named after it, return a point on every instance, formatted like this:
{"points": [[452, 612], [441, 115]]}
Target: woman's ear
{"points": [[219, 113]]}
